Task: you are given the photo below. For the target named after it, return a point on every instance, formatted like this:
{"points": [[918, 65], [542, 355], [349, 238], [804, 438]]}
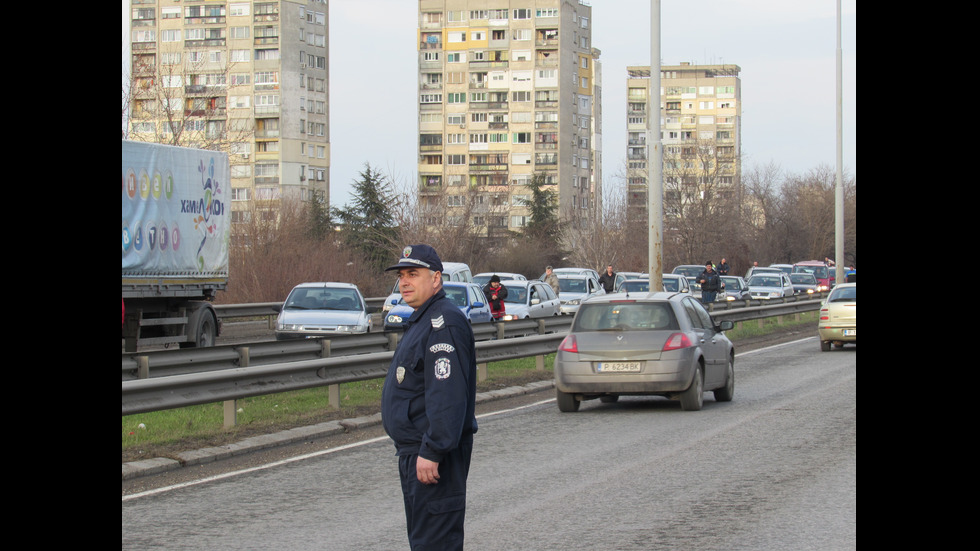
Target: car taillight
{"points": [[569, 344], [676, 342], [824, 314]]}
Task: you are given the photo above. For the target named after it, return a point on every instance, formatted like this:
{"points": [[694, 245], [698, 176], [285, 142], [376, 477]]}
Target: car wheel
{"points": [[727, 392], [567, 402], [825, 346], [693, 397]]}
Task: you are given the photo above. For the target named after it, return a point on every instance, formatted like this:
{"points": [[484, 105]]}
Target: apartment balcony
{"points": [[498, 126], [206, 43], [213, 20], [489, 168]]}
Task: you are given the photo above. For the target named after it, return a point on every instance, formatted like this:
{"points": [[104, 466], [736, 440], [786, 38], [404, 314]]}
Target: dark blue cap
{"points": [[418, 256]]}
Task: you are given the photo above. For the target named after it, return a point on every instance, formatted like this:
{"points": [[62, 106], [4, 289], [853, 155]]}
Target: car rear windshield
{"points": [[803, 278], [572, 285], [625, 316], [843, 294]]}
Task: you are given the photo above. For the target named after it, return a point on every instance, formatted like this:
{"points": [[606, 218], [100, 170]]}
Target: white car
{"points": [[767, 285], [529, 299], [323, 309], [484, 278], [576, 289]]}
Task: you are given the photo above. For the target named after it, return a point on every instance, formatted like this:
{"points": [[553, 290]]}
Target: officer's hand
{"points": [[427, 471]]}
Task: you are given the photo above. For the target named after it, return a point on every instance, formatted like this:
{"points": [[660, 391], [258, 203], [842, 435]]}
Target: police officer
{"points": [[428, 404]]}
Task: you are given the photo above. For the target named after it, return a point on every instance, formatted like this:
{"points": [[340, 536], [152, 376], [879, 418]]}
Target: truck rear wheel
{"points": [[204, 331]]}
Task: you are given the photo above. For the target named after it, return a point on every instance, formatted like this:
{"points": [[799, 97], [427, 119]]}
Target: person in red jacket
{"points": [[496, 293]]}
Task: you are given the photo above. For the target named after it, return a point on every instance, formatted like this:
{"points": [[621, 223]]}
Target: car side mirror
{"points": [[726, 325], [478, 305], [394, 301], [535, 301]]}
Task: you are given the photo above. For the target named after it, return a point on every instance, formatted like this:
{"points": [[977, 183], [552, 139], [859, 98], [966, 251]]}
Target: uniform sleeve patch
{"points": [[443, 368], [437, 323]]}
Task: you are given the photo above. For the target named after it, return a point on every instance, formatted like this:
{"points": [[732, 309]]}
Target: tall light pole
{"points": [[655, 180], [839, 188]]}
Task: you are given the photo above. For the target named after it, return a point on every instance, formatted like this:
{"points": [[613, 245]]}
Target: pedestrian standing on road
{"points": [[551, 279], [428, 404], [608, 279], [723, 267], [710, 283], [496, 293]]}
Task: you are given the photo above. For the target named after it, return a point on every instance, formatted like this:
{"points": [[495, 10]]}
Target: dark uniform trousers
{"points": [[435, 512]]}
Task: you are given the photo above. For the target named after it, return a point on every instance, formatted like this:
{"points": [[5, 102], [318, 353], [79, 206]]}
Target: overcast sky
{"points": [[786, 50]]}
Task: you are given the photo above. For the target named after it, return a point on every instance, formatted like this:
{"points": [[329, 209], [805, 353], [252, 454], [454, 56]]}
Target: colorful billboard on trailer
{"points": [[175, 239]]}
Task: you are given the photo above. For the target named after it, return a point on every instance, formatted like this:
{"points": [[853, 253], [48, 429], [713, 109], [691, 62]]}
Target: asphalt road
{"points": [[773, 469]]}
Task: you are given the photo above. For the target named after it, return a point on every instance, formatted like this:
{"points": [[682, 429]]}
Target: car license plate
{"points": [[618, 367], [850, 332]]}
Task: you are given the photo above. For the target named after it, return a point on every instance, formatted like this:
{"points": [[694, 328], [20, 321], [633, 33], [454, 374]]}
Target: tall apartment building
{"points": [[701, 116], [246, 77], [507, 89]]}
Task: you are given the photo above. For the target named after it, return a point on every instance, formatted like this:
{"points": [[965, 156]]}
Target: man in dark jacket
{"points": [[710, 283], [608, 279], [428, 404]]}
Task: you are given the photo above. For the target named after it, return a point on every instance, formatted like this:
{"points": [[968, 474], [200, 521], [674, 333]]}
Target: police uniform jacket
{"points": [[429, 394]]}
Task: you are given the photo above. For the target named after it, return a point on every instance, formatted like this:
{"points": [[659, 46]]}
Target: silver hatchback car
{"points": [[662, 344]]}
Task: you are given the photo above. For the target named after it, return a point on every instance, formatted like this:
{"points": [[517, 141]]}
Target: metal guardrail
{"points": [[178, 378]]}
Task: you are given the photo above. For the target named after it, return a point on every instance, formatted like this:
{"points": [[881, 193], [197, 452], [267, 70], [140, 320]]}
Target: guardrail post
{"points": [[231, 406], [482, 372], [333, 391], [272, 321], [142, 367], [500, 331], [541, 327]]}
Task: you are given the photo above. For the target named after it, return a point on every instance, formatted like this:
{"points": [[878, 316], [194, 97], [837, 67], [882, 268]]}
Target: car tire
{"points": [[727, 392], [566, 402], [693, 398], [825, 346]]}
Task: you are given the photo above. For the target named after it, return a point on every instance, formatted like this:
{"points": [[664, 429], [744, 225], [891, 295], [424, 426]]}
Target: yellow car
{"points": [[838, 317]]}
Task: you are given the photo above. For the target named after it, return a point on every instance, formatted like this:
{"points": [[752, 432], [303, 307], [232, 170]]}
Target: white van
{"points": [[451, 271]]}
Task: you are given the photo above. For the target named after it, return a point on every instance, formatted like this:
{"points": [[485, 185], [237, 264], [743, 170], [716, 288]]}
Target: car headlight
{"points": [[394, 318], [729, 297], [289, 327], [775, 294], [809, 291], [573, 302], [508, 317]]}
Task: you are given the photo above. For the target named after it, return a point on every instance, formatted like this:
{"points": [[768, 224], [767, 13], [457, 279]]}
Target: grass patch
{"points": [[198, 426]]}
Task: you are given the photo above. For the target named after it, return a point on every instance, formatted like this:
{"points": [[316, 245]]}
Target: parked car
{"points": [[662, 344], [690, 271], [735, 288], [672, 283], [572, 271], [484, 278], [804, 284], [322, 309], [838, 317], [770, 285], [623, 276], [576, 289], [760, 270], [825, 274], [468, 296], [451, 271], [529, 299]]}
